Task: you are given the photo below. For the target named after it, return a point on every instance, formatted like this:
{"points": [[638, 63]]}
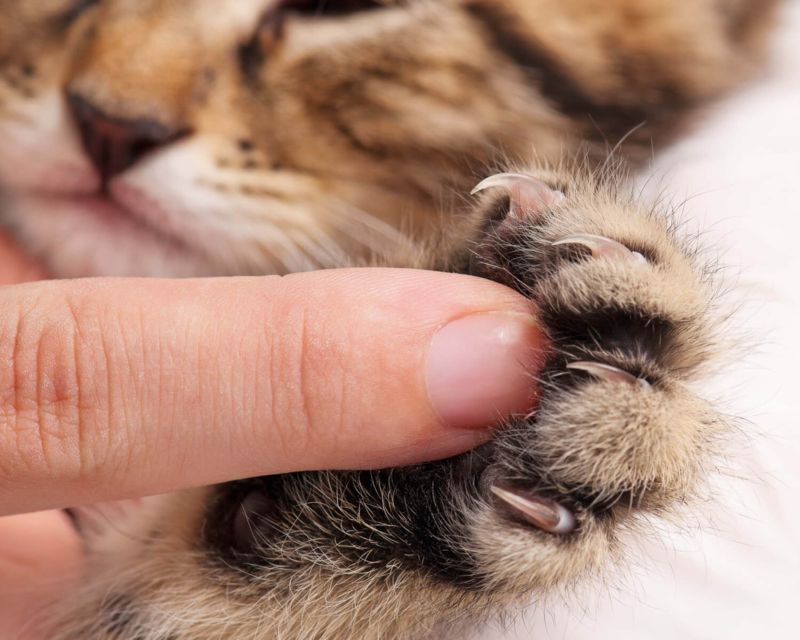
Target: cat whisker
{"points": [[329, 242], [326, 253], [292, 257], [368, 230], [263, 235]]}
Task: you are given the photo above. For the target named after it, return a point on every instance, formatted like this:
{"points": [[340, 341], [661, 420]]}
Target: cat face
{"points": [[155, 137], [214, 137]]}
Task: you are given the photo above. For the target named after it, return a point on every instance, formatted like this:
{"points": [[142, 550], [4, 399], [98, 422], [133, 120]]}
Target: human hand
{"points": [[118, 388]]}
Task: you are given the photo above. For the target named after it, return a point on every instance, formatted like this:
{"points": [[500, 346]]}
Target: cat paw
{"points": [[617, 430]]}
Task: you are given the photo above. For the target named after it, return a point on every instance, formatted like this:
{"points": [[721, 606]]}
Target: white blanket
{"points": [[734, 572]]}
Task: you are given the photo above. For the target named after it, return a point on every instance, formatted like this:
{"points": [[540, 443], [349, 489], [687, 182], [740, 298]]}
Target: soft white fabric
{"points": [[739, 577]]}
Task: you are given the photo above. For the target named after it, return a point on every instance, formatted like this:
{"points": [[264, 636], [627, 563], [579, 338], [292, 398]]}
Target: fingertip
{"points": [[481, 368]]}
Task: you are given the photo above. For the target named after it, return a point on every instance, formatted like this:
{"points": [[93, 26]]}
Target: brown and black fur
{"points": [[362, 120]]}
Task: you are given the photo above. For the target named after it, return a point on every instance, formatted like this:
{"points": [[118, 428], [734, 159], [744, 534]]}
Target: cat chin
{"points": [[91, 236]]}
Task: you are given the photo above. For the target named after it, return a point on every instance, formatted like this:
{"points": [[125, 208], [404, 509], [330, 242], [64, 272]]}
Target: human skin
{"points": [[112, 389]]}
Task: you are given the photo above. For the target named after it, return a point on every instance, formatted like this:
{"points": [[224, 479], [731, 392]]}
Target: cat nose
{"points": [[114, 144]]}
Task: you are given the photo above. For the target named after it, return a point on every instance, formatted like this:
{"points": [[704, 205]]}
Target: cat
{"points": [[220, 137]]}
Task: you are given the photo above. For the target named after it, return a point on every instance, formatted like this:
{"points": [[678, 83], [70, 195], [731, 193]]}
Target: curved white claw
{"points": [[601, 247], [608, 373], [543, 513], [528, 193]]}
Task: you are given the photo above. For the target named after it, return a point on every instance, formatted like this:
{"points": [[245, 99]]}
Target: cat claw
{"points": [[602, 247], [608, 373], [527, 193], [543, 513]]}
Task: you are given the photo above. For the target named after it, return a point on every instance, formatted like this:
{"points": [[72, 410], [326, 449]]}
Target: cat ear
{"points": [[529, 195]]}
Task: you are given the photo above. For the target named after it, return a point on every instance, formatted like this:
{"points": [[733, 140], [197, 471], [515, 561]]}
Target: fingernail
{"points": [[480, 368]]}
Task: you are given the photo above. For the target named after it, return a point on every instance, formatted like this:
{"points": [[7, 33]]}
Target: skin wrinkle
{"points": [[84, 452], [10, 413], [168, 370], [101, 454], [40, 400], [204, 362], [13, 362], [36, 442], [58, 435], [298, 429], [129, 440], [247, 378], [238, 377], [270, 391], [304, 355], [232, 393], [278, 412], [345, 400]]}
